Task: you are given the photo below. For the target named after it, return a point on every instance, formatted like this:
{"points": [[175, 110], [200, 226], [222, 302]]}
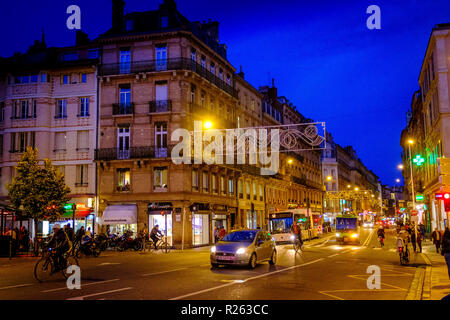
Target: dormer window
{"points": [[129, 25], [164, 22]]}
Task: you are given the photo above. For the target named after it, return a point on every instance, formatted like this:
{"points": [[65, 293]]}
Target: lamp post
{"points": [[410, 142]]}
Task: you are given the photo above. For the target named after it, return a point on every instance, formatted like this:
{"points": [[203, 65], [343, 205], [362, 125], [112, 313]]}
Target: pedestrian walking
{"points": [[446, 249], [437, 239], [413, 240], [216, 234], [222, 233], [419, 241]]}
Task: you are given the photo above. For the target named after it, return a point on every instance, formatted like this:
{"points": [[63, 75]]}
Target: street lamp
{"points": [[356, 189], [400, 166], [410, 142], [290, 161], [208, 125], [397, 180], [329, 178], [348, 186]]}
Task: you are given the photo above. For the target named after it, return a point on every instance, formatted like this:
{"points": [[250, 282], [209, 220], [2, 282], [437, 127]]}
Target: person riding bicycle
{"points": [[297, 232], [155, 235], [380, 233], [61, 244], [403, 239]]}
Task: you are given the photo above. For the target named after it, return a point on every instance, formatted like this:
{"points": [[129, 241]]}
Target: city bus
{"points": [[347, 228], [280, 225]]}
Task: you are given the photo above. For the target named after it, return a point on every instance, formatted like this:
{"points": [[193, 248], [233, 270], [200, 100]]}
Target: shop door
{"points": [[200, 229], [157, 219]]}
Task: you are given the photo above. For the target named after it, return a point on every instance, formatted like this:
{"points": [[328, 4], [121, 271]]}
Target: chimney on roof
{"points": [[241, 73], [118, 7]]}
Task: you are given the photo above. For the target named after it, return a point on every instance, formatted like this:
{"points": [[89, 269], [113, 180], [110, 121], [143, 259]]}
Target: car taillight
{"points": [[400, 249]]}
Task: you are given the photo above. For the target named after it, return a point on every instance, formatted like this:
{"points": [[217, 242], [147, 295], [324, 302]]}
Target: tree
{"points": [[38, 191]]}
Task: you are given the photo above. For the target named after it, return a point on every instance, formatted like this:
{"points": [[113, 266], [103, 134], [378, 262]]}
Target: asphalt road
{"points": [[324, 270]]}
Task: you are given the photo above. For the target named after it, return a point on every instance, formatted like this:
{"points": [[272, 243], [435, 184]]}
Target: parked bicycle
{"points": [[48, 265]]}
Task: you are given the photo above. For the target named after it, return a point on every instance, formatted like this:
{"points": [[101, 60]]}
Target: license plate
{"points": [[225, 258]]}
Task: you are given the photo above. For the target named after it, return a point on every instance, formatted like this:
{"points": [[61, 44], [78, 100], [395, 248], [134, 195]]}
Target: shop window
{"points": [[160, 179], [200, 229], [230, 186], [123, 179]]}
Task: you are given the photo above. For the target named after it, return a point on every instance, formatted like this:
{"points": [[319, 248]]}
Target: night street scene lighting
{"points": [[223, 159]]}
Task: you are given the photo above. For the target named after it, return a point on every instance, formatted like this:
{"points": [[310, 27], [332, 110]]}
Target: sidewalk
{"points": [[437, 282]]}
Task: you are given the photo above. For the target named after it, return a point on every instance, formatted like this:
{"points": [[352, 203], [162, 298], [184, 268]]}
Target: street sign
{"points": [[419, 197], [414, 212]]}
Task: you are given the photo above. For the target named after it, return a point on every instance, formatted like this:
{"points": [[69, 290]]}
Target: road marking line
{"points": [[108, 263], [356, 290], [83, 285], [333, 255], [17, 286], [99, 293], [161, 272], [323, 292], [364, 278], [245, 280]]}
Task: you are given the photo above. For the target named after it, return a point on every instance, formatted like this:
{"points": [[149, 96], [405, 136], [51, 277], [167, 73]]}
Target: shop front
{"points": [[120, 218], [84, 217], [219, 218], [200, 224], [160, 213]]}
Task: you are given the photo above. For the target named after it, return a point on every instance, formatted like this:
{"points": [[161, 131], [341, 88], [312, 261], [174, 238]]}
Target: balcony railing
{"points": [[152, 152], [160, 106], [123, 108], [163, 65]]}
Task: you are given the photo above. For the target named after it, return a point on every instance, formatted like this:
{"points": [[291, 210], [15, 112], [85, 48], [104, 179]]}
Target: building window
{"points": [[240, 189], [228, 80], [160, 179], [164, 22], [192, 96], [214, 183], [83, 77], [2, 111], [161, 58], [13, 143], [221, 74], [93, 53], [61, 109], [255, 195], [125, 60], [1, 144], [70, 56], [261, 193], [230, 186], [82, 175], [195, 179], [129, 25], [212, 69], [84, 107], [193, 55], [60, 142], [83, 141], [203, 62], [44, 77], [123, 179], [34, 109], [23, 110], [161, 139], [223, 186], [205, 177], [247, 189], [65, 79]]}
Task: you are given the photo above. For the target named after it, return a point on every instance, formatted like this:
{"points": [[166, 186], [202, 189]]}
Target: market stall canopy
{"points": [[120, 214]]}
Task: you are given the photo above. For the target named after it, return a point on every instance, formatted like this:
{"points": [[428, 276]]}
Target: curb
{"points": [[416, 288]]}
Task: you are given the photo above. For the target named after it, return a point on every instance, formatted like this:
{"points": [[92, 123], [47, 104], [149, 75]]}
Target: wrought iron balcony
{"points": [[123, 108], [164, 65], [160, 106], [151, 152]]}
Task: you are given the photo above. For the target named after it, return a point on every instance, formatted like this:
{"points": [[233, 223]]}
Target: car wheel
{"points": [[252, 262], [214, 265], [273, 259]]}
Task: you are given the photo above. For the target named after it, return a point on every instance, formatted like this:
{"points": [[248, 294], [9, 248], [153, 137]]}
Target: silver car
{"points": [[244, 247]]}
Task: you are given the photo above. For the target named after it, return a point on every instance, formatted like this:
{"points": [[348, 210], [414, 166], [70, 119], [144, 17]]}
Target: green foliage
{"points": [[39, 191]]}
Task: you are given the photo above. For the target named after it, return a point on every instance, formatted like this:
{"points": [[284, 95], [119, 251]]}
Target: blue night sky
{"points": [[322, 56]]}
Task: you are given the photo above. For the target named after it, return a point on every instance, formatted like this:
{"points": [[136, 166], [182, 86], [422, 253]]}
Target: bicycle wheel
{"points": [[70, 261], [165, 247], [297, 247], [43, 269]]}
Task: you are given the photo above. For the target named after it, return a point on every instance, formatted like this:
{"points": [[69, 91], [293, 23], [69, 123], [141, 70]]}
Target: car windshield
{"points": [[238, 236]]}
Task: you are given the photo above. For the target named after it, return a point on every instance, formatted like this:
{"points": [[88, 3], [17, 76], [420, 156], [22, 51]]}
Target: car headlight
{"points": [[213, 249], [292, 238], [354, 235], [338, 235], [240, 251]]}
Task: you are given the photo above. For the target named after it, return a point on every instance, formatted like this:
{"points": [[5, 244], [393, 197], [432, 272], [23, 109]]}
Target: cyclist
{"points": [[381, 235], [297, 232], [155, 235], [403, 239], [62, 245]]}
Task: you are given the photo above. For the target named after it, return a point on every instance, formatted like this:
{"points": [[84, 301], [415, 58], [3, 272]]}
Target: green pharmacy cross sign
{"points": [[419, 197], [418, 160]]}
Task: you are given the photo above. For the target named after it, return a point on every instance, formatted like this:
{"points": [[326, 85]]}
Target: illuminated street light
{"points": [[410, 141], [356, 188], [329, 178], [208, 125], [400, 166], [290, 161], [397, 180], [348, 186]]}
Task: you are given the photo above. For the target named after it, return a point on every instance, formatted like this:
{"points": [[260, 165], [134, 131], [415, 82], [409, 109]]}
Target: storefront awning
{"points": [[120, 214]]}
